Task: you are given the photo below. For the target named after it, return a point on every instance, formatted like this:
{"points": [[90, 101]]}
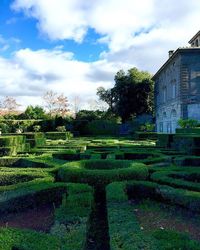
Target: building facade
{"points": [[177, 87]]}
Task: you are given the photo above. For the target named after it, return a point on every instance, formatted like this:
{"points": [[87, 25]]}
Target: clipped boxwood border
{"points": [[181, 197], [116, 171], [177, 179]]}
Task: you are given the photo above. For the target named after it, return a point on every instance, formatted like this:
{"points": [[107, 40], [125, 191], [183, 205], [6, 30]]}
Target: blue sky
{"points": [[75, 46], [15, 25]]}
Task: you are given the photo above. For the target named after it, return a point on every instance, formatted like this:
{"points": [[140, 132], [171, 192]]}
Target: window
{"points": [[173, 113], [164, 94], [174, 90]]}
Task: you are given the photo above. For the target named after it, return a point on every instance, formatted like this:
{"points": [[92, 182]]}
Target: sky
{"points": [[75, 46]]}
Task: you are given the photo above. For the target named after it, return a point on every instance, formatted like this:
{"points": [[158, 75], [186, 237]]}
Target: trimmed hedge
{"points": [[34, 139], [18, 162], [184, 198], [188, 131], [11, 178], [188, 161], [101, 171], [124, 228], [11, 145], [102, 127], [145, 136], [68, 232], [18, 239], [164, 140], [30, 195], [58, 135], [69, 155], [184, 179]]}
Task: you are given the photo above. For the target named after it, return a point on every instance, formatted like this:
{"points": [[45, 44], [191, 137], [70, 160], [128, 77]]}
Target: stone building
{"points": [[177, 87]]}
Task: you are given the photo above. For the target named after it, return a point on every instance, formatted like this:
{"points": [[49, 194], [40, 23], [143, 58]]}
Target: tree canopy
{"points": [[131, 95]]}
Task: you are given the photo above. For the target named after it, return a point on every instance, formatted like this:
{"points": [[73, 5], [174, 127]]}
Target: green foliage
{"points": [[165, 140], [61, 129], [36, 128], [69, 155], [89, 115], [76, 205], [27, 239], [33, 193], [34, 113], [170, 240], [148, 127], [124, 228], [11, 145], [188, 123], [4, 128], [132, 94], [58, 135], [101, 171], [102, 127], [184, 198], [186, 179]]}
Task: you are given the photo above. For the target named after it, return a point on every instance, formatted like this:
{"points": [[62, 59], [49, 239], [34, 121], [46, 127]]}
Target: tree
{"points": [[32, 112], [50, 101], [10, 104], [131, 95], [56, 104], [107, 96], [62, 105], [94, 104], [75, 104]]}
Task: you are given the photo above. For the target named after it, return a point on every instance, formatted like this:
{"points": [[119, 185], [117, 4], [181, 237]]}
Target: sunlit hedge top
{"points": [[102, 171]]}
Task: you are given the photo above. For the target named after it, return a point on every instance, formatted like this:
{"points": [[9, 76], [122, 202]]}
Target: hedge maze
{"points": [[93, 187]]}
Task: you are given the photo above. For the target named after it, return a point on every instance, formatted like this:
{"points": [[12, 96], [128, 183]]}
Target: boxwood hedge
{"points": [[102, 171], [181, 197]]}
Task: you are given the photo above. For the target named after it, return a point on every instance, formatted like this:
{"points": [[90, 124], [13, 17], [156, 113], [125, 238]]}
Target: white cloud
{"points": [[30, 73], [138, 33]]}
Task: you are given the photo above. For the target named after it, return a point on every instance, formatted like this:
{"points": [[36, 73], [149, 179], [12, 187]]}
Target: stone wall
{"points": [[168, 104]]}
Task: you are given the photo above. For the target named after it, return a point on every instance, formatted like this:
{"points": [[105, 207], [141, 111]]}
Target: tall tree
{"points": [[56, 104], [62, 105], [10, 104], [107, 96], [32, 112], [131, 95], [76, 102], [50, 101]]}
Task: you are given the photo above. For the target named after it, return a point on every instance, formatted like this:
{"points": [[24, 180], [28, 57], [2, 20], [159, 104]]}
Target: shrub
{"points": [[182, 179], [188, 123], [145, 136], [102, 127], [188, 161], [101, 171], [185, 198], [58, 135], [164, 140], [61, 129], [36, 128], [124, 229], [69, 155], [11, 145]]}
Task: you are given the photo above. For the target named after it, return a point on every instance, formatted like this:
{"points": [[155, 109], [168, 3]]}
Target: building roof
{"points": [[178, 51], [194, 37]]}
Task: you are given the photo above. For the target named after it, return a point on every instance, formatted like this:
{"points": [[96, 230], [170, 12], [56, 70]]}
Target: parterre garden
{"points": [[63, 193]]}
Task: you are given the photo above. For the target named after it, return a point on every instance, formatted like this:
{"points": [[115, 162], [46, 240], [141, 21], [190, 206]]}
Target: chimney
{"points": [[171, 52]]}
